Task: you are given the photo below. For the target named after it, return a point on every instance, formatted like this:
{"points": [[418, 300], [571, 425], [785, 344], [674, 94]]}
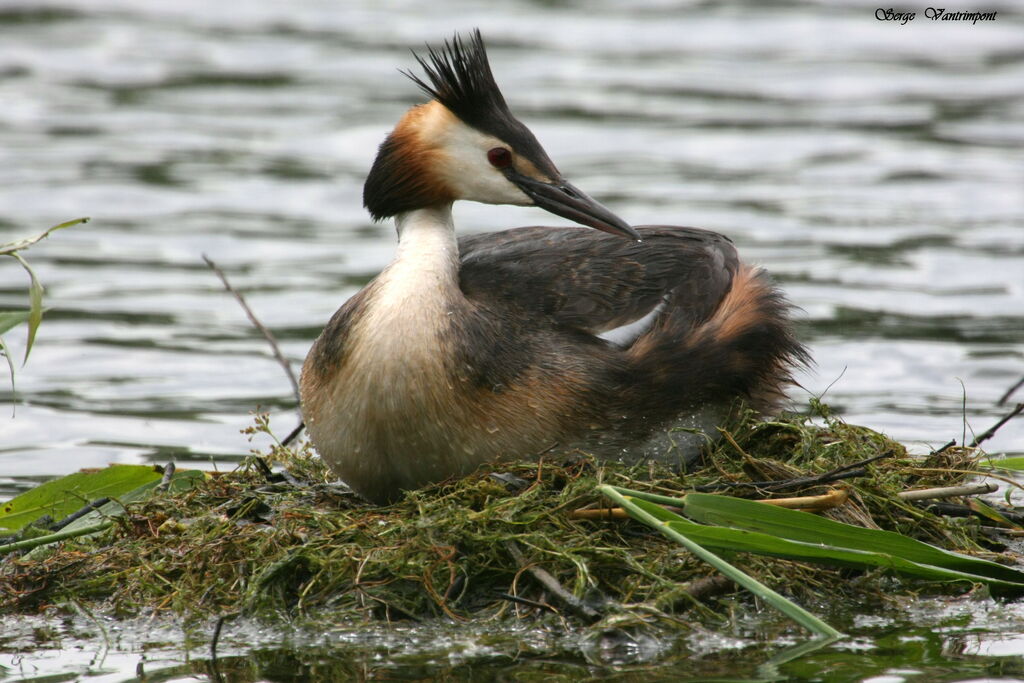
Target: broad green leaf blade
{"points": [[35, 310], [802, 526], [11, 319], [640, 510], [1016, 463], [739, 540], [99, 519], [60, 497], [181, 481]]}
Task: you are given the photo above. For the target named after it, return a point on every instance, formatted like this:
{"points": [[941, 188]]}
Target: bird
{"points": [[505, 345]]}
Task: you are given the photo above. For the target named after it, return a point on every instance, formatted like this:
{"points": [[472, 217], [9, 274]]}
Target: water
{"points": [[876, 169]]}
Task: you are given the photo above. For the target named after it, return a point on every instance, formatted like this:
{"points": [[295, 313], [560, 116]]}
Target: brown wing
{"points": [[592, 281]]}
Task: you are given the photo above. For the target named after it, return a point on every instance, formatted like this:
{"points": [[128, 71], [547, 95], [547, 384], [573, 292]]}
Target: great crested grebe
{"points": [[503, 345]]}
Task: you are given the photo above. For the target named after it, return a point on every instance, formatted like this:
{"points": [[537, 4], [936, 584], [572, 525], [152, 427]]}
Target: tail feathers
{"points": [[745, 349]]}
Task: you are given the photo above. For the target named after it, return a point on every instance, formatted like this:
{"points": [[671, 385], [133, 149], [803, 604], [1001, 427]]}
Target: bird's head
{"points": [[466, 144]]}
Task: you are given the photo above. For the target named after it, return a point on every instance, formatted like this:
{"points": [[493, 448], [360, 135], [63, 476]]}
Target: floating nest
{"points": [[501, 544]]}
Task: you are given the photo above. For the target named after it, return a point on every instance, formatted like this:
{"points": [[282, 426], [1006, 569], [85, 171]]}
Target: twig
{"points": [[706, 587], [527, 602], [990, 432], [613, 513], [996, 531], [854, 469], [1009, 392], [833, 498], [267, 334], [599, 513], [293, 434], [958, 510], [551, 583], [974, 473], [82, 512], [216, 635], [165, 481], [30, 543], [264, 468], [948, 492]]}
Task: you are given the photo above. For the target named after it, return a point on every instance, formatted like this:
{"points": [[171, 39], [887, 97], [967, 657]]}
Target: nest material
{"points": [[471, 549]]}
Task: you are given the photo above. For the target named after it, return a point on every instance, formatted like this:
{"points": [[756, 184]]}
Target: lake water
{"points": [[876, 168]]}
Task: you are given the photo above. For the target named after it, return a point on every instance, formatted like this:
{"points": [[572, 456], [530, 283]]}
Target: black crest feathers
{"points": [[461, 79]]}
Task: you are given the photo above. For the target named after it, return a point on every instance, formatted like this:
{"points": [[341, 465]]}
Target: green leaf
{"points": [[63, 496], [100, 519], [18, 245], [35, 298], [957, 567], [68, 224], [980, 507], [181, 481], [11, 319], [10, 362], [642, 510], [1016, 463], [808, 528]]}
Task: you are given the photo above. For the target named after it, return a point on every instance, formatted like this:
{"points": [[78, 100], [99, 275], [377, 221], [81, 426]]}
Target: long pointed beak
{"points": [[567, 201]]}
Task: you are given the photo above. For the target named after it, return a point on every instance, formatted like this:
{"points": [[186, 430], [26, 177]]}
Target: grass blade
{"points": [[11, 247], [35, 299], [10, 364]]}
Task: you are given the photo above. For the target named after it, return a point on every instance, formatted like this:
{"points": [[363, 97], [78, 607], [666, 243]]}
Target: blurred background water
{"points": [[876, 169]]}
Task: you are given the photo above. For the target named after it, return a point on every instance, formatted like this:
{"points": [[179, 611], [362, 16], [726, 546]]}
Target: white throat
{"points": [[413, 295], [426, 241]]}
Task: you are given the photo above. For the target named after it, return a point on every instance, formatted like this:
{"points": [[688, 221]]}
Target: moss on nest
{"points": [[462, 550]]}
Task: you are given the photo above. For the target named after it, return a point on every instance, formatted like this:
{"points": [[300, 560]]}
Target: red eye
{"points": [[499, 157]]}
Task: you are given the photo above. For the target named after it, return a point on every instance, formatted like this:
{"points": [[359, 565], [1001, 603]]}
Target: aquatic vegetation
{"points": [[502, 544], [33, 315]]}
